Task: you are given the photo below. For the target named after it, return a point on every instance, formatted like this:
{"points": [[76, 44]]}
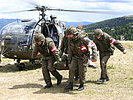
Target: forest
{"points": [[117, 27]]}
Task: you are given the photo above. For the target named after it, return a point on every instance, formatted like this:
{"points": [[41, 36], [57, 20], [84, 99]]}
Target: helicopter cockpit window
{"points": [[18, 33]]}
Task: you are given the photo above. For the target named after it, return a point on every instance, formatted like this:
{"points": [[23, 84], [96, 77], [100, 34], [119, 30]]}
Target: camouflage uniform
{"points": [[105, 45], [49, 54], [77, 58], [64, 49]]}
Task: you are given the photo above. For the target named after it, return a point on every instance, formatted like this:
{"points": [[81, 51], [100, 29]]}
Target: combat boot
{"points": [[92, 66], [69, 87], [48, 86], [81, 87], [59, 80], [102, 80]]}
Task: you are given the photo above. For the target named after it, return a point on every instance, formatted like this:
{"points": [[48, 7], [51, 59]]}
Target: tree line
{"points": [[123, 27]]}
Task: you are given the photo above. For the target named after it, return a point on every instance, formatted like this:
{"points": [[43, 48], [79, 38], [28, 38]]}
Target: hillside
{"points": [[120, 21], [4, 22], [117, 27], [68, 24]]}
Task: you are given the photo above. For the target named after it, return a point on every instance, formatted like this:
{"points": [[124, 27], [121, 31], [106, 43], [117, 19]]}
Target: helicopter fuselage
{"points": [[17, 38]]}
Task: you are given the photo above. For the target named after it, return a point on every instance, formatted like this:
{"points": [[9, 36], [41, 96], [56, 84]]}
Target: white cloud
{"points": [[123, 6]]}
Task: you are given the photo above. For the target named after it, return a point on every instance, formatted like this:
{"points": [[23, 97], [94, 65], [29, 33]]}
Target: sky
{"points": [[118, 8]]}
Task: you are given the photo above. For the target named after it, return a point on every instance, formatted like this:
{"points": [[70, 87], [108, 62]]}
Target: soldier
{"points": [[105, 44], [93, 53], [77, 58], [49, 54], [64, 48]]}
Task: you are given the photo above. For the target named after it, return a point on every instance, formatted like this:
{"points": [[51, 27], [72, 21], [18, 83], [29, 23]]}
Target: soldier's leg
{"points": [[53, 71], [72, 69], [103, 63], [45, 72], [82, 71], [76, 74]]}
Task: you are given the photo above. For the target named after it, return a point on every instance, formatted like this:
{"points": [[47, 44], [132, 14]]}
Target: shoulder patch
{"points": [[54, 49]]}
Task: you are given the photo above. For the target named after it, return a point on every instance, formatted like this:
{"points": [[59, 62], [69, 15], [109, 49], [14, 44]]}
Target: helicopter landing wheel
{"points": [[21, 66]]}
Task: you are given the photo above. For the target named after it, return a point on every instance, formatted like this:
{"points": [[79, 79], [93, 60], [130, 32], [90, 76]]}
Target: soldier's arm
{"points": [[69, 56], [116, 43], [69, 53], [94, 40], [62, 47], [35, 51], [86, 43], [54, 50]]}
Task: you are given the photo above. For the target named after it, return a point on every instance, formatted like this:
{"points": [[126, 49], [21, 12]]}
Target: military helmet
{"points": [[39, 37], [72, 30], [98, 32]]}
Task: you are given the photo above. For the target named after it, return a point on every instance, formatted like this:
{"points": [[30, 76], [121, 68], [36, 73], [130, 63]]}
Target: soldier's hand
{"points": [[64, 65], [60, 59], [124, 52]]}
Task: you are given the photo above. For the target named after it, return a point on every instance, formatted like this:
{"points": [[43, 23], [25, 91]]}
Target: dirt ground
{"points": [[28, 84]]}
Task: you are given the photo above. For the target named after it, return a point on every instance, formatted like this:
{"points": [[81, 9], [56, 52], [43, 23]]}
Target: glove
{"points": [[56, 62], [59, 60], [124, 52]]}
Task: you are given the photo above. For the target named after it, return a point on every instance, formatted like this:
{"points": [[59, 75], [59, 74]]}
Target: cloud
{"points": [[123, 7]]}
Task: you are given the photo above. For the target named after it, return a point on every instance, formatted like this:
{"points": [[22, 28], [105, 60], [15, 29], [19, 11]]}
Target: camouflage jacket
{"points": [[77, 48], [106, 44], [47, 49]]}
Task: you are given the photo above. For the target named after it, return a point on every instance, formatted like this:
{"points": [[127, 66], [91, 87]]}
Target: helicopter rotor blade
{"points": [[33, 3], [44, 8], [102, 12], [14, 34], [19, 11]]}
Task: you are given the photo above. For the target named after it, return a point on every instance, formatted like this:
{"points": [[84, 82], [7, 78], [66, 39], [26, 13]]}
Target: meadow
{"points": [[28, 84]]}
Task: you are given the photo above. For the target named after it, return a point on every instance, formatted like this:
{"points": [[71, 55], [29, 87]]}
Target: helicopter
{"points": [[17, 38]]}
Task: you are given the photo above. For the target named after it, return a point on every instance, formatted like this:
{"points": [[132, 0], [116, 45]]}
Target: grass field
{"points": [[28, 84]]}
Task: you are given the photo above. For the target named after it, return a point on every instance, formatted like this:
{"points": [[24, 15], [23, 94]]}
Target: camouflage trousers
{"points": [[47, 67], [80, 64], [103, 64]]}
